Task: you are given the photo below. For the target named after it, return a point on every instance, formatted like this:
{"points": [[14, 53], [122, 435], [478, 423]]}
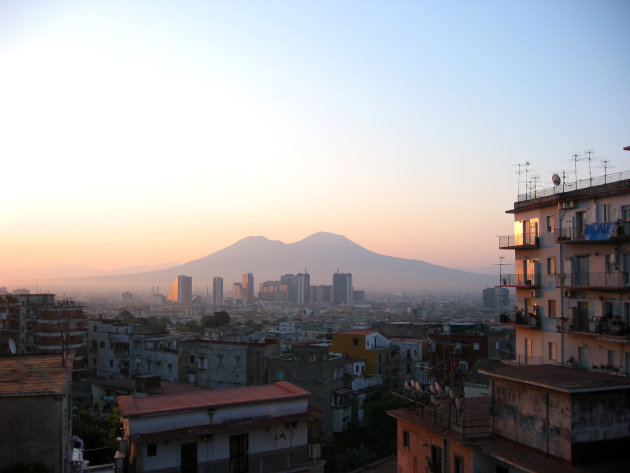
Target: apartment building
{"points": [[268, 429], [223, 363], [571, 247], [380, 355], [541, 418], [42, 324]]}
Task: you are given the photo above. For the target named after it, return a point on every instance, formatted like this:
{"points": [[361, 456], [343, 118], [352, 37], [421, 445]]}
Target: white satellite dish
{"points": [[556, 180], [12, 346], [418, 387], [432, 388], [451, 394], [438, 389], [407, 387]]}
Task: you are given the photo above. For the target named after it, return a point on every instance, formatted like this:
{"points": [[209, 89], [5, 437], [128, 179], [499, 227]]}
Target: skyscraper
{"points": [[342, 288], [181, 290], [248, 288], [217, 290], [303, 288]]}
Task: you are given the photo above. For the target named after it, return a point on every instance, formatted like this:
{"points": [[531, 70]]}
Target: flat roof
{"points": [[34, 375], [558, 378], [133, 406]]}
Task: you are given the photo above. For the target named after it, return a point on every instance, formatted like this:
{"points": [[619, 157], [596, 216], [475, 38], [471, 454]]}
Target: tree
{"points": [[98, 433]]}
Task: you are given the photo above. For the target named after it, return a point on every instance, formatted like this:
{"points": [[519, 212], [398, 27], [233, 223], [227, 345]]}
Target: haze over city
{"points": [[140, 133]]}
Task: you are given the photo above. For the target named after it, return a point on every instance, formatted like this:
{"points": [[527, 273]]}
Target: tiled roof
{"points": [[132, 406], [34, 375], [239, 426], [559, 378]]}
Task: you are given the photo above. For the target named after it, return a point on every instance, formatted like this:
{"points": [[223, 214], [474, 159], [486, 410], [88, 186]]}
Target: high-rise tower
{"points": [[217, 290]]}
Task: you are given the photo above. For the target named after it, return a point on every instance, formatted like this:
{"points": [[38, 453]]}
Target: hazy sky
{"points": [[151, 131]]}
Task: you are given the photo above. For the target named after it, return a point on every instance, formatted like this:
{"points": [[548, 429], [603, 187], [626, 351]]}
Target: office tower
{"points": [[290, 280], [217, 290], [237, 291], [248, 288], [342, 288], [496, 298], [303, 287], [181, 290]]}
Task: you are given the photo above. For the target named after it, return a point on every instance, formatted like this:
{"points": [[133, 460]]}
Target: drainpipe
{"points": [[547, 424]]}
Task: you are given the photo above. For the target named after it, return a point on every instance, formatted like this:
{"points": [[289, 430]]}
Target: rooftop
{"points": [[558, 378], [132, 406], [34, 375]]}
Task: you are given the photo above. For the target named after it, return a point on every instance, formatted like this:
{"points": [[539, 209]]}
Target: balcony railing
{"points": [[594, 233], [519, 241], [518, 318], [520, 280], [607, 325], [587, 280]]}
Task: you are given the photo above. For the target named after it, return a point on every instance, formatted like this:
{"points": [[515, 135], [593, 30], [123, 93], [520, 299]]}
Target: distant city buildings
{"points": [[342, 288], [217, 291], [496, 298], [248, 288], [181, 290]]}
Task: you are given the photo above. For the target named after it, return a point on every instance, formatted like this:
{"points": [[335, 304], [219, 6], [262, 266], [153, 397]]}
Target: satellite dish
{"points": [[437, 387], [12, 346], [451, 394], [418, 387], [433, 399], [432, 388], [407, 387], [556, 180]]}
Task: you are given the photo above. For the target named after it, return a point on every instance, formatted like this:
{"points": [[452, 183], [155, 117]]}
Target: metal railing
{"points": [[571, 186], [615, 280], [519, 318], [591, 233], [518, 240], [446, 415], [520, 280]]}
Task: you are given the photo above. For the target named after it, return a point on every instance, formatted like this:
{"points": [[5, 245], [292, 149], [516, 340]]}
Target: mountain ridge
{"points": [[321, 254]]}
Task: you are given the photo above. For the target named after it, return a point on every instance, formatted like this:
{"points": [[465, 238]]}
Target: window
{"points": [[237, 359], [550, 223], [238, 454], [551, 308], [312, 357], [551, 265], [191, 360], [611, 357], [476, 346], [436, 459], [406, 440], [610, 263], [94, 328], [355, 342], [279, 375], [151, 449], [458, 464], [553, 351], [219, 361]]}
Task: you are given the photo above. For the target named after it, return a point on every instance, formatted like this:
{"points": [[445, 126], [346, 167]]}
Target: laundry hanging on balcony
{"points": [[599, 231]]}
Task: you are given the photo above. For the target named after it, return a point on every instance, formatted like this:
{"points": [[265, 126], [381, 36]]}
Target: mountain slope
{"points": [[320, 254]]}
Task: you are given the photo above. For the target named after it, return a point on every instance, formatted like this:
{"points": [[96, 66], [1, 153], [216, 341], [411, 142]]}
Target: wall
{"points": [[533, 416], [36, 430]]}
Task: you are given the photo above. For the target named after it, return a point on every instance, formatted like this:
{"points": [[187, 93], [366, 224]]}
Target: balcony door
{"points": [[189, 457]]}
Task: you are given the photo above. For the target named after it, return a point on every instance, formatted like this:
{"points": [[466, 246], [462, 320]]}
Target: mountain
{"points": [[321, 254]]}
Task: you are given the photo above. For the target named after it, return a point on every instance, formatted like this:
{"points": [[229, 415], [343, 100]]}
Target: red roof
{"points": [[34, 374], [241, 425], [132, 406]]}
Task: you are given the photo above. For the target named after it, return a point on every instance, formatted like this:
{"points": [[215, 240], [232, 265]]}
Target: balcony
{"points": [[616, 281], [518, 318], [518, 242], [595, 233], [607, 326], [521, 281]]}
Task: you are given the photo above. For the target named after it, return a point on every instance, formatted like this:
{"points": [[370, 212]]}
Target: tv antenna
{"points": [[605, 164], [520, 169], [575, 158], [590, 158]]}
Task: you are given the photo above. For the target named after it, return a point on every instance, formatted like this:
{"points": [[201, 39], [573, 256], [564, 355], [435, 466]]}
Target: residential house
{"points": [[267, 428]]}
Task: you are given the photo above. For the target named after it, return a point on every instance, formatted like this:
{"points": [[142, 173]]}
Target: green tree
{"points": [[98, 432]]}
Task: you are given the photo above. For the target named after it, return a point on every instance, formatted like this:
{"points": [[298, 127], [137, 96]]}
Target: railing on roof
{"points": [[571, 186]]}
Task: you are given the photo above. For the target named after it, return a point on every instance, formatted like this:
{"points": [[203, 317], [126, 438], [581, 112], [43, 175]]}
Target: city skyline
{"points": [[144, 133]]}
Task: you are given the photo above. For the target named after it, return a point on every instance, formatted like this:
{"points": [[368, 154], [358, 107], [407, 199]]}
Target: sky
{"points": [[143, 132]]}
